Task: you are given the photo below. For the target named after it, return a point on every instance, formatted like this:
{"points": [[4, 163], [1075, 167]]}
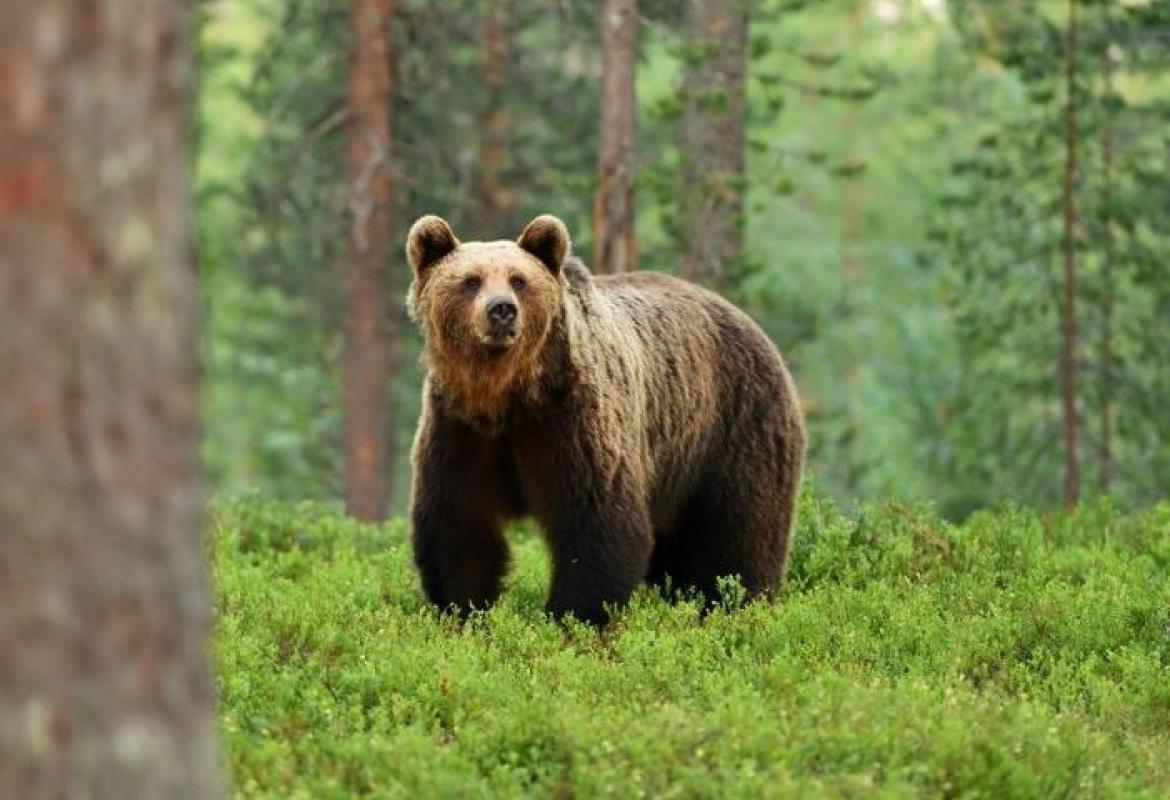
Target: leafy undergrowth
{"points": [[1012, 656]]}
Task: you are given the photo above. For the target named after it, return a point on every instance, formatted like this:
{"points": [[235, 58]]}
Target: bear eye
{"points": [[518, 283], [472, 283]]}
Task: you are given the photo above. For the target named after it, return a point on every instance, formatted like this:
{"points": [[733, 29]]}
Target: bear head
{"points": [[486, 309]]}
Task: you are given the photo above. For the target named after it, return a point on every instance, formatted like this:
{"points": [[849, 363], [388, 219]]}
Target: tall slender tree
{"points": [[368, 350], [1108, 256], [104, 677], [614, 236], [495, 200], [853, 232], [1068, 310], [1051, 223], [713, 137]]}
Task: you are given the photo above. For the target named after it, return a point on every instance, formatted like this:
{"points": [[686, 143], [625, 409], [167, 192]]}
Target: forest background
{"points": [[948, 215]]}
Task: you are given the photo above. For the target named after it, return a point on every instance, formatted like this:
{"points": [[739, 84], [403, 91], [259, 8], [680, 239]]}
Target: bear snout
{"points": [[501, 313]]}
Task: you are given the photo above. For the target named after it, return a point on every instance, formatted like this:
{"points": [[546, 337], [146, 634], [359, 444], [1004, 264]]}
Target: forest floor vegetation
{"points": [[1016, 655]]}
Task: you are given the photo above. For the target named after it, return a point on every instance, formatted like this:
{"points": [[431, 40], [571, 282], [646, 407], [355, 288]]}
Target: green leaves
{"points": [[1013, 656], [997, 229]]}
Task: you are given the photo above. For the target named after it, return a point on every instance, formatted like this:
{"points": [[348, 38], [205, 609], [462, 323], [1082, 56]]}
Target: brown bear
{"points": [[648, 425]]}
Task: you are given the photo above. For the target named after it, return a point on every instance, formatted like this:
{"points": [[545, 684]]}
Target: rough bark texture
{"points": [[713, 138], [368, 344], [495, 200], [105, 688], [613, 208], [1068, 312]]}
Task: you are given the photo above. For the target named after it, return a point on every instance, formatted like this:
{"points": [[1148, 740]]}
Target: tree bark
{"points": [[105, 687], [1068, 326], [713, 138], [368, 354], [613, 208], [495, 200]]}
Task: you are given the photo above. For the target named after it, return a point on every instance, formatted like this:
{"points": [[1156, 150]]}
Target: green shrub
{"points": [[1013, 656]]}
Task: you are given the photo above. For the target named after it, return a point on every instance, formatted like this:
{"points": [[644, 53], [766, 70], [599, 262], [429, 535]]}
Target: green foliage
{"points": [[272, 204], [1015, 655], [998, 230], [902, 227]]}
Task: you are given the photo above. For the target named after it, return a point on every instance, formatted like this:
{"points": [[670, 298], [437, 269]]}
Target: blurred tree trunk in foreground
{"points": [[494, 200], [614, 242], [713, 137], [105, 688], [368, 346]]}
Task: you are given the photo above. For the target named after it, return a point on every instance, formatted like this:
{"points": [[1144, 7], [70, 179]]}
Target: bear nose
{"points": [[501, 310]]}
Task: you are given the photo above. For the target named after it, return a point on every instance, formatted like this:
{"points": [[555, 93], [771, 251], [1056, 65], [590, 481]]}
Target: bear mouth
{"points": [[498, 342], [499, 335]]}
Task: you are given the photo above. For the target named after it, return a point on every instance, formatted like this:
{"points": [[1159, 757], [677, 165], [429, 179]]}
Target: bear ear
{"points": [[430, 239], [547, 238]]}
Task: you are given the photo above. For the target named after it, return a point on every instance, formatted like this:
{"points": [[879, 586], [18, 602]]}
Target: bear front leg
{"points": [[591, 504], [461, 560], [600, 554], [457, 515]]}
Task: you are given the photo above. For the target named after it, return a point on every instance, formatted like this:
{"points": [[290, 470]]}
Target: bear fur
{"points": [[649, 426]]}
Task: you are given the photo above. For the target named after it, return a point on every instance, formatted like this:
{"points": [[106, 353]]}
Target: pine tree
{"points": [[713, 138], [369, 341], [614, 237]]}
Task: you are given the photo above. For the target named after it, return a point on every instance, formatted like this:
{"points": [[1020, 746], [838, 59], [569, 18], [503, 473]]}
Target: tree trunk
{"points": [[1068, 326], [495, 201], [615, 246], [105, 687], [1108, 257], [369, 337], [713, 138], [853, 273]]}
